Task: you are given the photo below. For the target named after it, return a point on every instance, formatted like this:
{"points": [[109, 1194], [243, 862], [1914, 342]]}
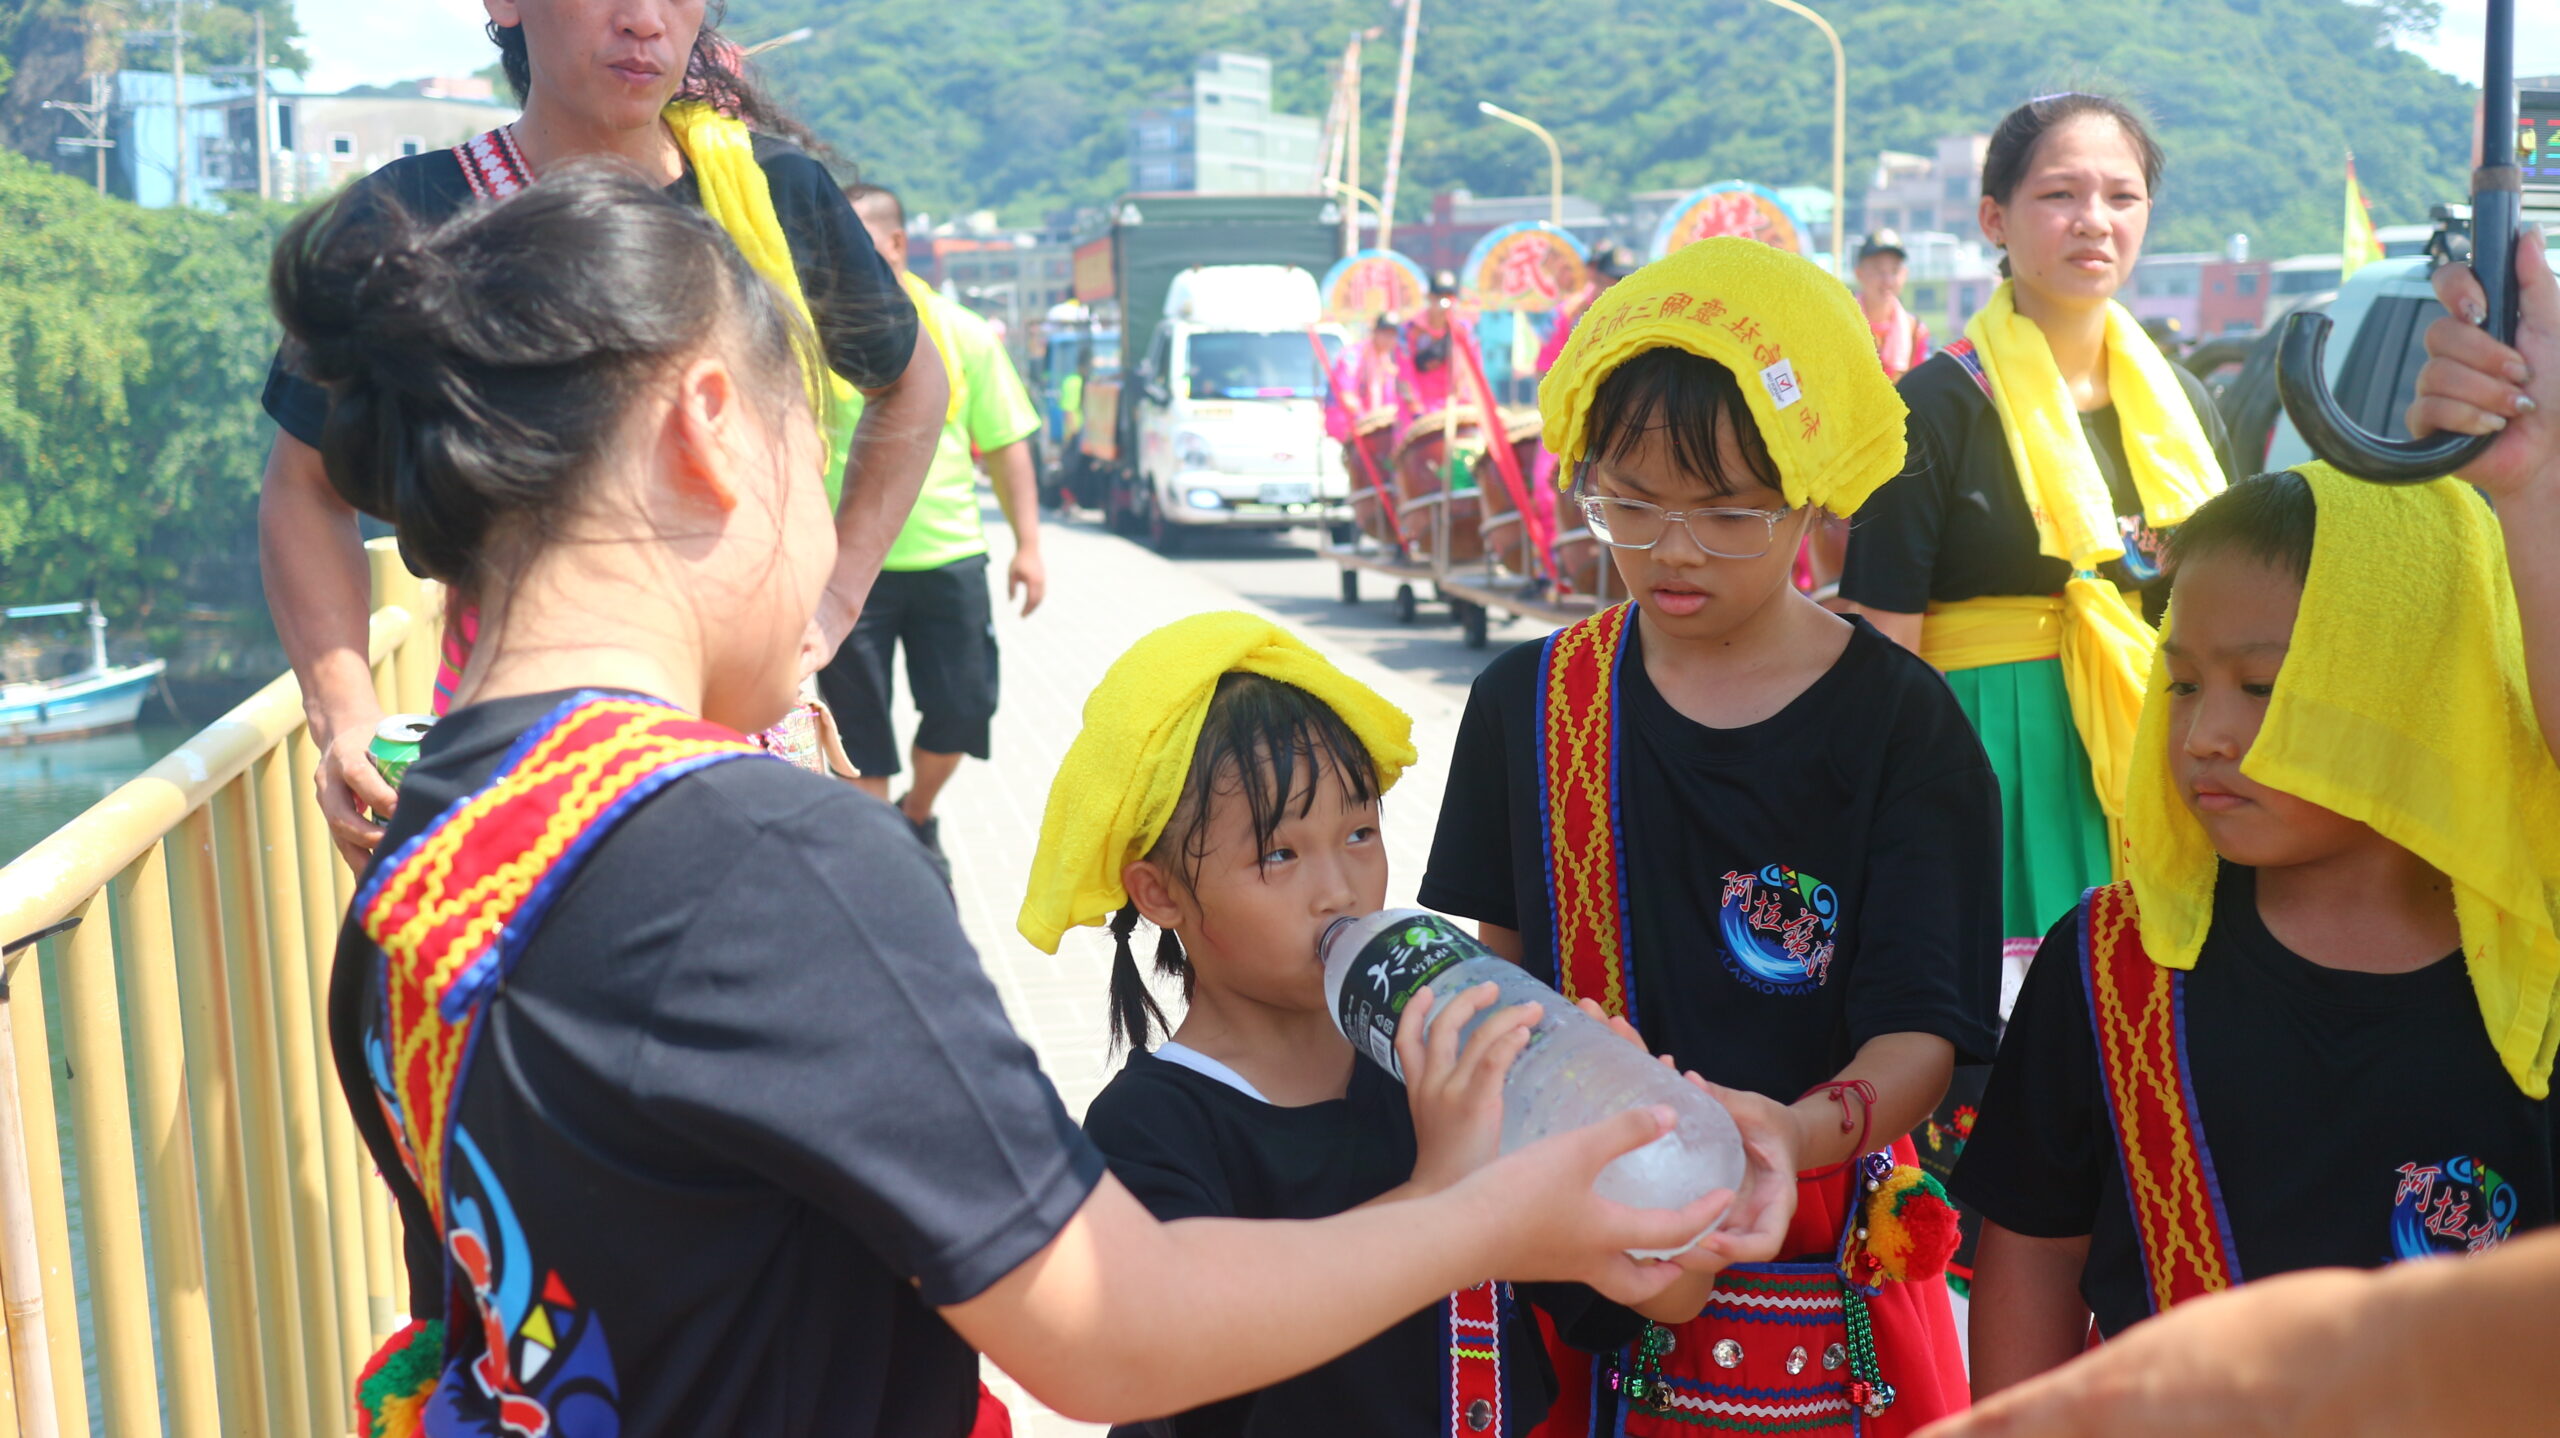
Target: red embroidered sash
{"points": [[2138, 1010], [1578, 793], [455, 907], [1473, 1319]]}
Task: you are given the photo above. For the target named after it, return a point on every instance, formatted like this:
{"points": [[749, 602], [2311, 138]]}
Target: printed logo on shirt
{"points": [[2455, 1207], [1778, 927], [544, 1370], [2144, 548]]}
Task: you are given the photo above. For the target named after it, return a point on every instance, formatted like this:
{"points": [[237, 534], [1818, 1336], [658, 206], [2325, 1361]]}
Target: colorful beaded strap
{"points": [[1578, 794], [2138, 1009], [492, 165], [454, 908], [1473, 1319]]}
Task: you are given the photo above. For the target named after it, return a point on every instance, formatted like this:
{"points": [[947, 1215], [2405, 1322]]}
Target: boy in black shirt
{"points": [[2314, 1027], [1764, 834]]}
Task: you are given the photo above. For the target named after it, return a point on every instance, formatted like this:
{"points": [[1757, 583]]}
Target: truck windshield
{"points": [[1234, 365]]}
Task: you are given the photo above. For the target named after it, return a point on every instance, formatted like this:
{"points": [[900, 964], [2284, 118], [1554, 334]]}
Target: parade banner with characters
{"points": [[1369, 283], [1532, 266], [1731, 207]]}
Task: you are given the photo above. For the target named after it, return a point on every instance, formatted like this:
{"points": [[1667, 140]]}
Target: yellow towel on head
{"points": [[1793, 338], [723, 155], [2402, 704], [2174, 464], [1117, 788]]}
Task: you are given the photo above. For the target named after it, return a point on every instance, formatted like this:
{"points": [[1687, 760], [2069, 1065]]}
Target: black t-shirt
{"points": [[1191, 1146], [1954, 524], [865, 322], [2353, 1118], [1796, 886], [743, 1114]]}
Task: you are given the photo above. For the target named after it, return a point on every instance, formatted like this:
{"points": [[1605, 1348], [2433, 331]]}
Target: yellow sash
{"points": [[2105, 649]]}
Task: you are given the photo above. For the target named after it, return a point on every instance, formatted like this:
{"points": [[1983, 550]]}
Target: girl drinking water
{"points": [[701, 1116], [1226, 788]]}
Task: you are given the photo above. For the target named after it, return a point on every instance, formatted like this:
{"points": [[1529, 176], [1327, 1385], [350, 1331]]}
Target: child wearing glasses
{"points": [[1762, 832]]}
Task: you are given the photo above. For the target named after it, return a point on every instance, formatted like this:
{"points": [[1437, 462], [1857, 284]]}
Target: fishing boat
{"points": [[100, 697]]}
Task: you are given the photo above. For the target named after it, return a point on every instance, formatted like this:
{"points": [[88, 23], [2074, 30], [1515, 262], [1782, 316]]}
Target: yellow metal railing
{"points": [[241, 1261]]}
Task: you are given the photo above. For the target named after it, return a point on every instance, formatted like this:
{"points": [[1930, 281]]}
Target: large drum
{"points": [[1441, 517], [1369, 456], [1504, 536]]}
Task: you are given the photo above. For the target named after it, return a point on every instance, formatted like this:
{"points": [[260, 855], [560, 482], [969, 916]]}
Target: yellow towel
{"points": [[722, 153], [2105, 649], [2402, 704], [1792, 336], [1117, 788], [2174, 465]]}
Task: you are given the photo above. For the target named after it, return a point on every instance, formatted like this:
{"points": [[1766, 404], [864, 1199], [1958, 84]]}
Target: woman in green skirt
{"points": [[2051, 452]]}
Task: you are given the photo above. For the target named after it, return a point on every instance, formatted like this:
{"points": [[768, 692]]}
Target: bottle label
{"points": [[1389, 970]]}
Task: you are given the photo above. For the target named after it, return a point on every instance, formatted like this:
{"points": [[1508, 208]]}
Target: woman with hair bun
{"points": [[2052, 451], [649, 83], [701, 1115]]}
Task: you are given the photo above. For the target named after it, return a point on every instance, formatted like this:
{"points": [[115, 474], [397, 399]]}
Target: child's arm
{"points": [[1910, 1073], [1455, 1093], [2027, 1312], [2474, 385], [1121, 1317]]}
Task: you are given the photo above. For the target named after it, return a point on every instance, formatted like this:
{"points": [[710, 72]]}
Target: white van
{"points": [[1230, 407]]}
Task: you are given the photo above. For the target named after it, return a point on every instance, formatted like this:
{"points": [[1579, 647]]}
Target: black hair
{"points": [[479, 369], [857, 193], [2271, 518], [2012, 151], [1683, 393], [714, 73], [1273, 744]]}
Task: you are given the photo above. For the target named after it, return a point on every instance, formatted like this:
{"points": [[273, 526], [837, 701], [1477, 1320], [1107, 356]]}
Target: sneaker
{"points": [[929, 834]]}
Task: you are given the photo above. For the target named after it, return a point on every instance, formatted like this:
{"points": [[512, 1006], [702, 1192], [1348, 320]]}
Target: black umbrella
{"points": [[2497, 213]]}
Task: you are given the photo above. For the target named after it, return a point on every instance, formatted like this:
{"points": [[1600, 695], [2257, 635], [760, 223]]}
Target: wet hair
{"points": [[479, 369], [2272, 519], [2012, 151], [714, 73], [855, 194], [1269, 743], [1674, 390]]}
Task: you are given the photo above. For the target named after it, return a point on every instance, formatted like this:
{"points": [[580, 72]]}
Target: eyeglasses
{"points": [[1725, 533]]}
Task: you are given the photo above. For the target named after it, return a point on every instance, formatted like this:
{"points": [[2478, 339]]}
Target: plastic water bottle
{"points": [[1574, 1071]]}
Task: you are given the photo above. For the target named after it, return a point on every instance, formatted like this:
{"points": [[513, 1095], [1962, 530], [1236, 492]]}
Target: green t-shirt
{"points": [[994, 411]]}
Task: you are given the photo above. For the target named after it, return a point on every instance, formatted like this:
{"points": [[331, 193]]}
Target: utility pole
{"points": [[1395, 126], [93, 118], [1351, 138], [262, 131], [176, 35]]}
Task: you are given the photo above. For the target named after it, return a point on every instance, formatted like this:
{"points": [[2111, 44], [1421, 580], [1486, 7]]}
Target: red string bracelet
{"points": [[1841, 1091]]}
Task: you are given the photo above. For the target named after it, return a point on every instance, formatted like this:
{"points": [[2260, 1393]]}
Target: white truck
{"points": [[1228, 410]]}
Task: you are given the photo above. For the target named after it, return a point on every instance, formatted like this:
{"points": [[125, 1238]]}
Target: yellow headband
{"points": [[1117, 788], [1793, 338]]}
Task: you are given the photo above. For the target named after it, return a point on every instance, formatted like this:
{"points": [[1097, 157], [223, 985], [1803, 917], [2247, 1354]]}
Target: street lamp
{"points": [[1839, 137], [793, 37], [1358, 197], [1555, 157]]}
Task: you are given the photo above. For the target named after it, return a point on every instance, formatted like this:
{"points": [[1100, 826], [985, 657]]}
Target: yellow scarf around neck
{"points": [[734, 193], [2402, 704], [2173, 462]]}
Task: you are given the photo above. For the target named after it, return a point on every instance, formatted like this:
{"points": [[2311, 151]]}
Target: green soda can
{"points": [[394, 746]]}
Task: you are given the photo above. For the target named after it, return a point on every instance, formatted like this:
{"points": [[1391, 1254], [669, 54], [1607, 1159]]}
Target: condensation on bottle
{"points": [[1574, 1072]]}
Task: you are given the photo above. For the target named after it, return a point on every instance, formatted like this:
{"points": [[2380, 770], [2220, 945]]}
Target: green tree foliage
{"points": [[132, 343], [1023, 105]]}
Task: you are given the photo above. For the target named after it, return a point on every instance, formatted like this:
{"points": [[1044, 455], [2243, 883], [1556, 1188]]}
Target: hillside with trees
{"points": [[1022, 106]]}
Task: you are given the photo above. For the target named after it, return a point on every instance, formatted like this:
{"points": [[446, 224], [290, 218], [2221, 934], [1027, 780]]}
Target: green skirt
{"points": [[2053, 834]]}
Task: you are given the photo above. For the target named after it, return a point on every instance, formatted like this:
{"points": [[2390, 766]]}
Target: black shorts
{"points": [[946, 620]]}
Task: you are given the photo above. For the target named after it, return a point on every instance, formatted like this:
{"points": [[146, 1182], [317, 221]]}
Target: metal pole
{"points": [[1839, 136], [1351, 145], [178, 90], [1555, 156], [264, 138], [1395, 125]]}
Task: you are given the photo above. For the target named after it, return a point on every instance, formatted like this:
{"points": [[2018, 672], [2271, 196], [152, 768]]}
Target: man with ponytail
{"points": [[651, 85]]}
